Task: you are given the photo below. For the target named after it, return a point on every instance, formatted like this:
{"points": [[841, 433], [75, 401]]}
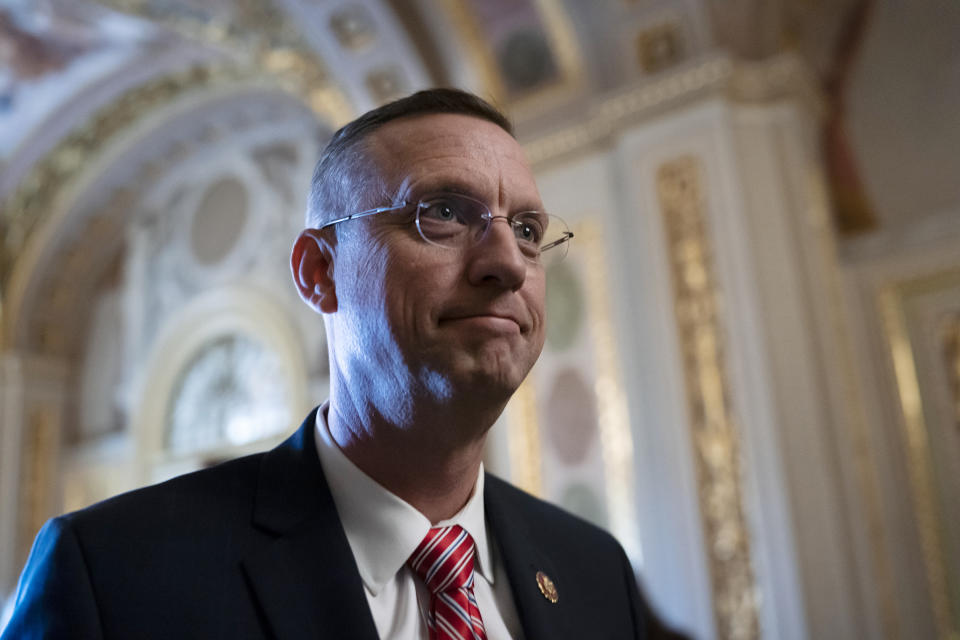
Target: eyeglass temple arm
{"points": [[368, 212], [567, 235]]}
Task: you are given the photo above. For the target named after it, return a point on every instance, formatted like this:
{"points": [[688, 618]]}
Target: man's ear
{"points": [[311, 264]]}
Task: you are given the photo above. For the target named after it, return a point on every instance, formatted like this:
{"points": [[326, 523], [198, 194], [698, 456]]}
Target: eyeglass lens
{"points": [[452, 220]]}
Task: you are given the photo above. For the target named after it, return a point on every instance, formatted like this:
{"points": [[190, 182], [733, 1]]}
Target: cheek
{"points": [[536, 296], [361, 288], [404, 301], [420, 282], [366, 282]]}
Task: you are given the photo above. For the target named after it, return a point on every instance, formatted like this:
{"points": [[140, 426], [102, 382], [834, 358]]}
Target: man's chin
{"points": [[493, 367], [495, 380]]}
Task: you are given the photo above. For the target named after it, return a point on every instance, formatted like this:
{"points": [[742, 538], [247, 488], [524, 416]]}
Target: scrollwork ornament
{"points": [[267, 46], [713, 420], [35, 196]]}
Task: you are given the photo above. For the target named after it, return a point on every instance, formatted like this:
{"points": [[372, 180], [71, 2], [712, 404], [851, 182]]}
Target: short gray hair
{"points": [[335, 178]]}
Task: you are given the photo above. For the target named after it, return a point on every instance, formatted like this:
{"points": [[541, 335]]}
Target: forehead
{"points": [[438, 151]]}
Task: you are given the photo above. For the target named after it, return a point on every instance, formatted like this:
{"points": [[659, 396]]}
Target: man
{"points": [[425, 255]]}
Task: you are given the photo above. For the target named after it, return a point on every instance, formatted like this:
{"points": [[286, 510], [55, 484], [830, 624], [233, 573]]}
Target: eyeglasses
{"points": [[457, 221]]}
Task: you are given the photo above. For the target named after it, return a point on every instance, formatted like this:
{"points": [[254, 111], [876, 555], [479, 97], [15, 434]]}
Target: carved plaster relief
{"points": [[713, 419]]}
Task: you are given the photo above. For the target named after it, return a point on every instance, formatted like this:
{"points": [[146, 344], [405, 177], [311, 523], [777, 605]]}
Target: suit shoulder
{"points": [[223, 486], [528, 507]]}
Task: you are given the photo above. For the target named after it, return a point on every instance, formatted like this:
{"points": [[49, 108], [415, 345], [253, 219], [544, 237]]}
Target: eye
{"points": [[528, 229], [442, 210]]}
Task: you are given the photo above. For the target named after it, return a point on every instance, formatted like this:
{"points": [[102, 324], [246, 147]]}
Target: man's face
{"points": [[415, 316]]}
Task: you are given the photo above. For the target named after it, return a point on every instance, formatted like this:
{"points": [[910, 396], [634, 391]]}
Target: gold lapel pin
{"points": [[547, 587]]}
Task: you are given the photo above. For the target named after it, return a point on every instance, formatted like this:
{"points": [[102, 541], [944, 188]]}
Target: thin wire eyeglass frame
{"points": [[488, 217]]}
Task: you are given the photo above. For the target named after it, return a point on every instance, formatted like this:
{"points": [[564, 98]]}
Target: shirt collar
{"points": [[382, 529]]}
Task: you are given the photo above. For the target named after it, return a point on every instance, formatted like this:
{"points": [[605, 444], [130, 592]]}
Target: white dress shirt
{"points": [[383, 530]]}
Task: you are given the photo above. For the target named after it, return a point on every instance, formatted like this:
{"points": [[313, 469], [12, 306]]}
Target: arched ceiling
{"points": [[74, 63], [88, 223]]}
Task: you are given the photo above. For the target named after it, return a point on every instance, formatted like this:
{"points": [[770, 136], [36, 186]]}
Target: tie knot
{"points": [[444, 560]]}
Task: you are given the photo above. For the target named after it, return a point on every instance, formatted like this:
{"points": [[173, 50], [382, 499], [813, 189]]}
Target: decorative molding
{"points": [[918, 235], [34, 199], [564, 47], [267, 46], [915, 436], [613, 419], [569, 57], [248, 310], [817, 218], [353, 27], [712, 417], [659, 46], [386, 83], [762, 82], [262, 36]]}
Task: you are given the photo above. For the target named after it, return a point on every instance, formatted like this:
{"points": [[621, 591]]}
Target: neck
{"points": [[428, 455]]}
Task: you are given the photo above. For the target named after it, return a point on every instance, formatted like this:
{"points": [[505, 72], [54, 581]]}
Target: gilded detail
{"points": [[562, 43], [713, 421], [761, 82], [37, 193], [262, 36], [270, 47], [915, 435], [659, 47]]}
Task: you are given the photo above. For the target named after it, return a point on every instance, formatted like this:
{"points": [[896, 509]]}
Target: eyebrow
{"points": [[460, 188], [446, 186]]}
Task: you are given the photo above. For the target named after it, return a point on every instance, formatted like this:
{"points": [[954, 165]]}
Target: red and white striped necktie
{"points": [[444, 560]]}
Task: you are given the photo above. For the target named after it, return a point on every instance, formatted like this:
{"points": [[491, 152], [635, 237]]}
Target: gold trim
{"points": [[919, 462], [353, 27], [34, 199], [712, 418], [765, 82], [567, 53], [477, 50], [523, 439], [613, 418], [658, 46], [272, 47], [563, 46], [264, 37]]}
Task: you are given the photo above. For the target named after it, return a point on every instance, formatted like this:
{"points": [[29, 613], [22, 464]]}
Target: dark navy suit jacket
{"points": [[253, 548]]}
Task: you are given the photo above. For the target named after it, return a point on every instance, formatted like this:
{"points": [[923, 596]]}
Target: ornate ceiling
{"points": [[88, 82]]}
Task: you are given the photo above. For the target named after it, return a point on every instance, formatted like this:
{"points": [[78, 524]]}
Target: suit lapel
{"points": [[304, 576], [516, 538]]}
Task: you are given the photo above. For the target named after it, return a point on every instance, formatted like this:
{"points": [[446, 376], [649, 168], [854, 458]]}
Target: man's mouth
{"points": [[491, 320]]}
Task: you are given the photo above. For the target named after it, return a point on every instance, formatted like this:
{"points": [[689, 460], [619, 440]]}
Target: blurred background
{"points": [[752, 370]]}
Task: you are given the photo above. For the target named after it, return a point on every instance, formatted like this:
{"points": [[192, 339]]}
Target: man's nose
{"points": [[497, 256]]}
